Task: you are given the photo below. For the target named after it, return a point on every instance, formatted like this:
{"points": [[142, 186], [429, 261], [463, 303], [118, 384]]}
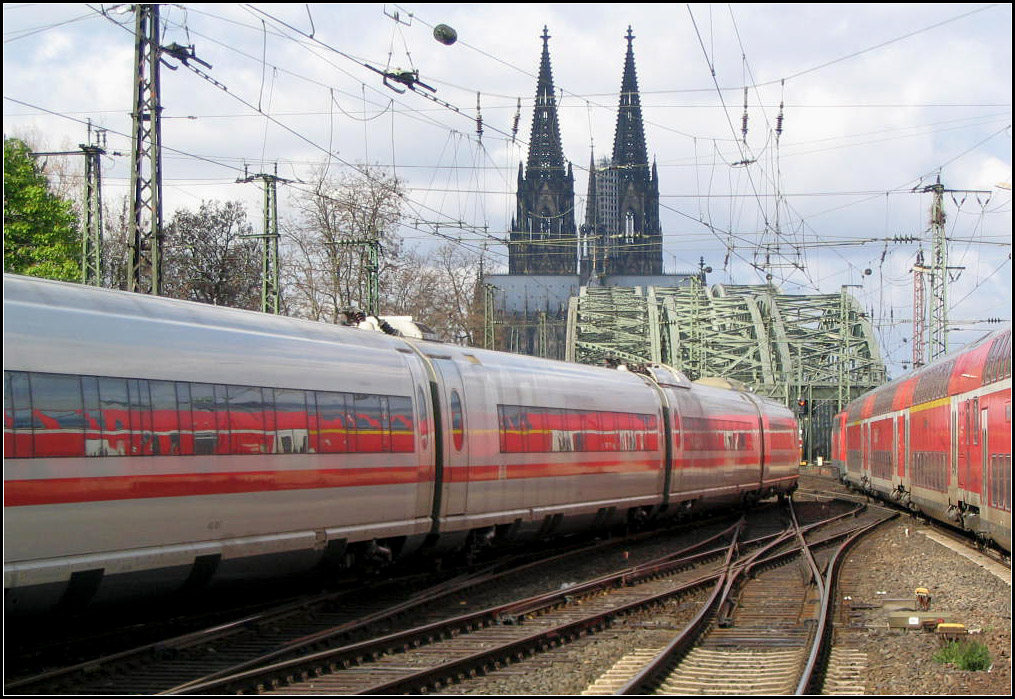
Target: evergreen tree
{"points": [[40, 229]]}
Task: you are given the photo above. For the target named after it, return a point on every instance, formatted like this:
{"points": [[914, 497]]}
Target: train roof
{"points": [[980, 363]]}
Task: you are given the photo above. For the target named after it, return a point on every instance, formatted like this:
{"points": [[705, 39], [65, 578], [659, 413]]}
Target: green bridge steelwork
{"points": [[814, 353]]}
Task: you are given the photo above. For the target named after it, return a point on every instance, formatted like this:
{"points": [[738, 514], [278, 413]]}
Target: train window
{"points": [[60, 415], [292, 435], [998, 364], [222, 444], [10, 449], [457, 421], [424, 415], [335, 431], [185, 418], [508, 421], [402, 429], [385, 424], [58, 406], [560, 437], [165, 417], [92, 416], [142, 436], [18, 419], [532, 430], [313, 423], [527, 420], [246, 420], [114, 409], [202, 398], [934, 383], [976, 421], [371, 430], [576, 425]]}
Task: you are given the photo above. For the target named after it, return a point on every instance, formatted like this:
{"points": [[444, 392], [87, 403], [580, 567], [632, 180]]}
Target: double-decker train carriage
{"points": [[160, 445], [938, 439]]}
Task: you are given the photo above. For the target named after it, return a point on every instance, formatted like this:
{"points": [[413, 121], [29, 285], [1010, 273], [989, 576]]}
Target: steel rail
{"points": [[651, 674], [817, 659], [511, 612]]}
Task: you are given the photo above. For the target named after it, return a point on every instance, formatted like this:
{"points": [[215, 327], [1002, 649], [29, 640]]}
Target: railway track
{"points": [[431, 655], [431, 658], [765, 630], [405, 649]]}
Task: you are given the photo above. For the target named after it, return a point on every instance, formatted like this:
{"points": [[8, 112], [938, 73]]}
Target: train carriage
{"points": [[246, 429], [938, 439]]}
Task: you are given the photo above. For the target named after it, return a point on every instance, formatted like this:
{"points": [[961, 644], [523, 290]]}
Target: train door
{"points": [[900, 448], [674, 467], [964, 437], [865, 451], [970, 449], [984, 459], [455, 472], [903, 447], [956, 447]]}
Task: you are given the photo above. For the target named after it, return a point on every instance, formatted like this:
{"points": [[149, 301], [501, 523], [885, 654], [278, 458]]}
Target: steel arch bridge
{"points": [[820, 348]]}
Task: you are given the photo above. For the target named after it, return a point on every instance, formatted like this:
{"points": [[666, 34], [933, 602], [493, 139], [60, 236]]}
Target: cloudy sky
{"points": [[877, 102]]}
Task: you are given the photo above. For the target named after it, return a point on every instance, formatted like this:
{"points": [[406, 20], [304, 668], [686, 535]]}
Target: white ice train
{"points": [[154, 445]]}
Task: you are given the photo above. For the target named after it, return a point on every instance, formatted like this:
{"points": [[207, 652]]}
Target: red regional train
{"points": [[154, 445], [938, 440]]}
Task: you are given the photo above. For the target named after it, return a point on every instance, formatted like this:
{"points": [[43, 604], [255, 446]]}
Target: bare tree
{"points": [[328, 245], [115, 243], [208, 259]]}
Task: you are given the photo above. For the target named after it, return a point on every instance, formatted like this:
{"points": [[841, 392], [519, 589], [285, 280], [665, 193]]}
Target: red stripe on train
{"points": [[52, 491]]}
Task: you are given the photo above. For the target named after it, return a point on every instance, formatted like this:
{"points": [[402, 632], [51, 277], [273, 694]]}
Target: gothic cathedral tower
{"points": [[543, 232], [621, 235]]}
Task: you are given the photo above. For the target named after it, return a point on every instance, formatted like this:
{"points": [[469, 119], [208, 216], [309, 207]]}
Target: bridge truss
{"points": [[812, 352]]}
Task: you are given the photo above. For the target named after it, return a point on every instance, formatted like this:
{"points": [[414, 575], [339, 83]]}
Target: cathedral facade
{"points": [[621, 233]]}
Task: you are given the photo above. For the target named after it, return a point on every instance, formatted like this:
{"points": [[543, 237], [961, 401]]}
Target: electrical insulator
{"points": [[479, 119], [743, 128], [518, 117]]}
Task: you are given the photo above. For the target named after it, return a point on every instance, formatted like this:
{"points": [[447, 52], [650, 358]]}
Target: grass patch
{"points": [[965, 655]]}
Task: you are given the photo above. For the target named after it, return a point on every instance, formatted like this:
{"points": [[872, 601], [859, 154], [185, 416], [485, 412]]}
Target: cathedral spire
{"points": [[629, 142], [545, 152], [543, 235]]}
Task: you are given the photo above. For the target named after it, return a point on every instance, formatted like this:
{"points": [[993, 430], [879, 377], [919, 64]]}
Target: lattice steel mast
{"points": [[938, 336], [270, 286], [91, 238], [144, 268], [91, 235], [919, 312]]}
